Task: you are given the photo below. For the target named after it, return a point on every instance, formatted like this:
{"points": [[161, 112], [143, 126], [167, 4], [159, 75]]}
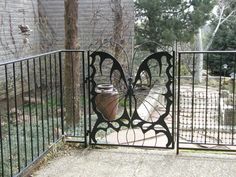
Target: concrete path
{"points": [[131, 162]]}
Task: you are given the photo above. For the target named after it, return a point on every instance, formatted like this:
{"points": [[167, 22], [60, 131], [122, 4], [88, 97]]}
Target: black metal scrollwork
{"points": [[130, 117]]}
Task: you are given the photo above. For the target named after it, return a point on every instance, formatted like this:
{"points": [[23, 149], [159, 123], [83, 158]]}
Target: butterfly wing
{"points": [[153, 94], [105, 69]]}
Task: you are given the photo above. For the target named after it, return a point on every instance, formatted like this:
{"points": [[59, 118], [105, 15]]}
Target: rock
{"points": [[59, 110], [57, 131], [32, 100], [225, 93], [14, 111]]}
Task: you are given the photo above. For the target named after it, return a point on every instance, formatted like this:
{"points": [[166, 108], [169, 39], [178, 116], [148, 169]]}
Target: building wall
{"points": [[46, 20], [12, 43], [95, 22], [51, 13]]}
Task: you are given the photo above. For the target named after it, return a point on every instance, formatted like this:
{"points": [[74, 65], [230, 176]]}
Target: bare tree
{"points": [[114, 35], [72, 64], [199, 59], [117, 27], [224, 13], [46, 31]]}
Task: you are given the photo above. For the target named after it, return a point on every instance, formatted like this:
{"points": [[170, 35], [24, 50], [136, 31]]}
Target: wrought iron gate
{"points": [[131, 102]]}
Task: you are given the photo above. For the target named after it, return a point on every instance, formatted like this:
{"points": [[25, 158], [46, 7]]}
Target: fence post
{"points": [[178, 103], [61, 94], [174, 102], [84, 100], [89, 97]]}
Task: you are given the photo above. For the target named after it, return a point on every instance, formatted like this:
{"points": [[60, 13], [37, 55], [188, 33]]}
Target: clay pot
{"points": [[107, 100]]}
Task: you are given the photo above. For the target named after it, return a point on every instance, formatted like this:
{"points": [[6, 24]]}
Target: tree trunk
{"points": [[118, 37], [118, 28], [72, 64], [199, 59], [221, 20]]}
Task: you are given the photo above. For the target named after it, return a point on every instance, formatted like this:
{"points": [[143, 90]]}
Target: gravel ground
{"points": [[131, 162]]}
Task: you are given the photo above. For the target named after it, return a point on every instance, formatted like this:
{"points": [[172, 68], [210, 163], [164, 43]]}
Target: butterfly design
{"points": [[129, 87]]}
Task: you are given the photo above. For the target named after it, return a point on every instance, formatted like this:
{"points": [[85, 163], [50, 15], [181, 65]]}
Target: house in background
{"points": [[13, 43], [45, 19], [30, 27]]}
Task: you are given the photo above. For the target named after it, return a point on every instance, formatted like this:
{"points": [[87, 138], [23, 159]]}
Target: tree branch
{"points": [[216, 29], [220, 22], [226, 18]]}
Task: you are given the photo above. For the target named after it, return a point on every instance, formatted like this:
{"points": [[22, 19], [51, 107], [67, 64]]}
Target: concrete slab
{"points": [[131, 162]]}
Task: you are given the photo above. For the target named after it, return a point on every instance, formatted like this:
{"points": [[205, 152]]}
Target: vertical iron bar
{"points": [[23, 111], [16, 114], [84, 99], [52, 102], [89, 96], [178, 103], [2, 156], [130, 96], [73, 91], [46, 85], [61, 94], [233, 121], [173, 99], [193, 81], [207, 69], [36, 107], [30, 112], [130, 104], [219, 105], [8, 120], [55, 60], [41, 100]]}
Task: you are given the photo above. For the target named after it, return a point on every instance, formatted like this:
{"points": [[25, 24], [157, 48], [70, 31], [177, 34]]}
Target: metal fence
{"points": [[131, 102], [77, 129], [32, 110], [206, 100]]}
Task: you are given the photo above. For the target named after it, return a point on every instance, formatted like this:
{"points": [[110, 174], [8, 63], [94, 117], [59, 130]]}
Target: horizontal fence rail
{"points": [[206, 100]]}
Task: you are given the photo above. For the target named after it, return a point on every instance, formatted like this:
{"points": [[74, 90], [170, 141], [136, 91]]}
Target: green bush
{"points": [[184, 70]]}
